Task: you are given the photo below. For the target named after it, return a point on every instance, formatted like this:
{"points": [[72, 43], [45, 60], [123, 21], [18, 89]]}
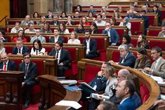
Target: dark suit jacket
{"points": [[24, 50], [60, 39], [114, 39], [93, 48], [31, 74], [100, 82], [64, 58], [128, 61], [128, 104], [10, 66]]}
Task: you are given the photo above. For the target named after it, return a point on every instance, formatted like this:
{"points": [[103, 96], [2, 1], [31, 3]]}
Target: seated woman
{"points": [[84, 21], [93, 28], [109, 90], [69, 21], [127, 40], [37, 48], [142, 60], [46, 28], [20, 36], [142, 42], [73, 39], [126, 22], [62, 29], [80, 29]]}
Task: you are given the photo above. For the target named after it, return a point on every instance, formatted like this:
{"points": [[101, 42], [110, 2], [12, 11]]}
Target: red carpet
{"points": [[32, 107]]}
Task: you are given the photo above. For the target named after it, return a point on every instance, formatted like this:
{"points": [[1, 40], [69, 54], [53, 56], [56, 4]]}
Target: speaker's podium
{"points": [[10, 90]]}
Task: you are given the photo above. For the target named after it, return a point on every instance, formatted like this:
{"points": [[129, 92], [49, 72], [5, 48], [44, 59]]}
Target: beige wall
{"points": [[96, 2], [5, 10], [42, 6]]}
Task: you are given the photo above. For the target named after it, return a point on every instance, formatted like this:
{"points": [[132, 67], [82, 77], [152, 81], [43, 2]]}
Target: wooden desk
{"points": [[11, 81], [72, 96], [53, 91]]}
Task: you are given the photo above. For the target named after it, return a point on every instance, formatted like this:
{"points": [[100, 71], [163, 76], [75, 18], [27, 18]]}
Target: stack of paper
{"points": [[68, 103]]}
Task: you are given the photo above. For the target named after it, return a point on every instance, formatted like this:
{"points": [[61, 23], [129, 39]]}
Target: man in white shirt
{"points": [[38, 36], [99, 21], [16, 28], [30, 28]]}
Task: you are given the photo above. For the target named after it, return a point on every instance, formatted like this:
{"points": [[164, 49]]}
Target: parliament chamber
{"points": [[48, 89]]}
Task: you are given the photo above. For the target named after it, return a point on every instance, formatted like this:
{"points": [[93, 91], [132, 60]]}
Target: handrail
{"points": [[3, 19]]}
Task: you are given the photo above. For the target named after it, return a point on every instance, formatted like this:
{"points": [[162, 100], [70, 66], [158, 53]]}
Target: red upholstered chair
{"points": [[153, 31], [90, 72], [134, 41], [144, 92], [157, 42], [71, 73], [136, 27], [115, 56]]}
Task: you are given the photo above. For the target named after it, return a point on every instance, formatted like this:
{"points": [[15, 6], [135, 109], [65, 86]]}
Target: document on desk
{"points": [[157, 78], [69, 82], [69, 103]]}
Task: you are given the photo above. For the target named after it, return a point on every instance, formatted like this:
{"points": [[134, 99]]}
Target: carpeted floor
{"points": [[32, 107]]}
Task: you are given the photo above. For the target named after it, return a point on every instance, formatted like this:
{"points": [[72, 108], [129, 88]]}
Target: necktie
{"points": [[19, 50], [26, 70], [57, 56], [5, 67]]}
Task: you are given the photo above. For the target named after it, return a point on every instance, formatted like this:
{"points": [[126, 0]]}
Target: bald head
{"points": [[124, 74], [4, 57]]}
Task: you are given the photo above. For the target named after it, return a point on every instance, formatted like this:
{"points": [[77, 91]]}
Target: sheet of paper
{"points": [[156, 78], [72, 104], [69, 82]]}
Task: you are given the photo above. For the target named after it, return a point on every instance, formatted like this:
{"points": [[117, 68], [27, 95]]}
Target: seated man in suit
{"points": [[124, 74], [56, 37], [30, 73], [20, 49], [63, 58], [126, 57], [112, 34], [125, 90], [90, 46], [158, 66], [6, 64]]}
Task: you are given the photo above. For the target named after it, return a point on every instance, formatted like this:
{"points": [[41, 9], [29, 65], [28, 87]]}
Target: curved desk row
{"points": [[152, 86]]}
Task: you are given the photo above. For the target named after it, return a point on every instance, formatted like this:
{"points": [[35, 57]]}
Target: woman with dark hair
{"points": [[142, 42], [20, 36], [62, 29], [63, 15], [37, 48], [80, 29], [46, 28], [93, 28], [36, 15], [142, 60], [78, 8], [127, 40]]}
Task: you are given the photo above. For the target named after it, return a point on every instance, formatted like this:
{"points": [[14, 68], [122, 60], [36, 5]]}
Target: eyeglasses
{"points": [[26, 57]]}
